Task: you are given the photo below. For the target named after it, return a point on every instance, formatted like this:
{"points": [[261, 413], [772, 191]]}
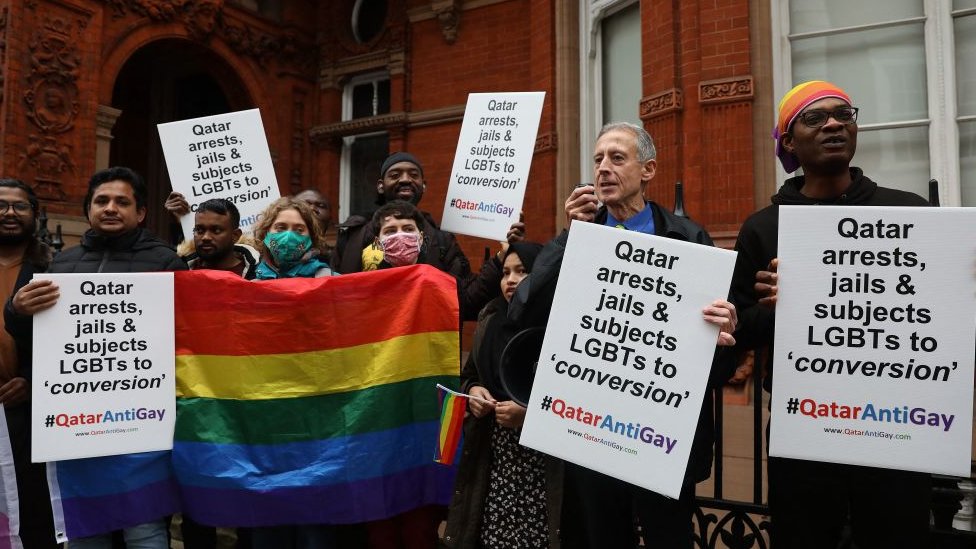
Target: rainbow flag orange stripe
{"points": [[452, 420], [308, 401]]}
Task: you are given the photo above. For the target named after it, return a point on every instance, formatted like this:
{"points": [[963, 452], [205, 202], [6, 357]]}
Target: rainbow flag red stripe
{"points": [[306, 401], [452, 420]]}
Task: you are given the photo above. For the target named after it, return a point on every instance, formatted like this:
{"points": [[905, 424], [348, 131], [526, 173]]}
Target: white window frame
{"points": [[942, 121], [592, 15], [345, 165]]}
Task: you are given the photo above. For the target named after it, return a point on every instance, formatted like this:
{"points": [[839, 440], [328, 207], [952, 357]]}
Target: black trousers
{"points": [[36, 518], [608, 507], [810, 502]]}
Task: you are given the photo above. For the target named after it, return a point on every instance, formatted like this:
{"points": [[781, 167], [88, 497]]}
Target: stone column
{"points": [[104, 122]]}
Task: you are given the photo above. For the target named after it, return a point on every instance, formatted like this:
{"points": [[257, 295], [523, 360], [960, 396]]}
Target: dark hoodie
{"points": [[757, 244]]}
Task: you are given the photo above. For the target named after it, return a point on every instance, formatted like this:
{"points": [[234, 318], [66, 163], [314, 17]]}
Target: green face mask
{"points": [[287, 248]]}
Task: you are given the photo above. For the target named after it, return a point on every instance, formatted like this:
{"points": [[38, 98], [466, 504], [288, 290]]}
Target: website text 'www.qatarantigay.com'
{"points": [[869, 419]]}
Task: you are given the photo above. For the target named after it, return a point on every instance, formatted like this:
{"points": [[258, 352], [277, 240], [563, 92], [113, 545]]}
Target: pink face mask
{"points": [[400, 249]]}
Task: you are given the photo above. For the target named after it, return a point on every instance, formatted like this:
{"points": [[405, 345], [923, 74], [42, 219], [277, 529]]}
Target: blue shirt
{"points": [[643, 222]]}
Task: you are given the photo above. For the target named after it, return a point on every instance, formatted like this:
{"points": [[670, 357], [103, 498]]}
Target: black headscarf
{"points": [[498, 331]]}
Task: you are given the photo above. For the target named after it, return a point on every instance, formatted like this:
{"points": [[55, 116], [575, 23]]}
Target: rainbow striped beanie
{"points": [[792, 104]]}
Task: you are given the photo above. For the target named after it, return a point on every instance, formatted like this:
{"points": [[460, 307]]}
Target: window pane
{"points": [[362, 100], [965, 35], [383, 97], [963, 4], [621, 66], [896, 158], [883, 70], [365, 159], [967, 162], [814, 15]]}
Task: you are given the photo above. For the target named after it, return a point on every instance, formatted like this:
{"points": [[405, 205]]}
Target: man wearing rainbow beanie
{"points": [[810, 502]]}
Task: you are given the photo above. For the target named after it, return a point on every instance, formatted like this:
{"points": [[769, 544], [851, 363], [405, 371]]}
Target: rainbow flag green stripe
{"points": [[272, 421]]}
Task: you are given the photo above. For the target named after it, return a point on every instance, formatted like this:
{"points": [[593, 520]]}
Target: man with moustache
{"points": [[21, 255], [623, 164], [115, 206], [810, 501]]}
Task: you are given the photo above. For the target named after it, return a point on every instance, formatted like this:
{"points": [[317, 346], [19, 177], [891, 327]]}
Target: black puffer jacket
{"points": [[133, 252]]}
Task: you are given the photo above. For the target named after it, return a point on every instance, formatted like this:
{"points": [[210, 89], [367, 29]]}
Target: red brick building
{"points": [[340, 83]]}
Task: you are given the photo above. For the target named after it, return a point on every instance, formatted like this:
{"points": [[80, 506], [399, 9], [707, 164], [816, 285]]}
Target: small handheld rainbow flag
{"points": [[453, 404]]}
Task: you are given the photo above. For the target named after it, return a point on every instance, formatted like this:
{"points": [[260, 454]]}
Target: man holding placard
{"points": [[810, 500], [624, 162], [115, 206], [22, 254]]}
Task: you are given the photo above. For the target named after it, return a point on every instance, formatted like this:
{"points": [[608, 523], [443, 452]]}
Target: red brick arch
{"points": [[244, 75]]}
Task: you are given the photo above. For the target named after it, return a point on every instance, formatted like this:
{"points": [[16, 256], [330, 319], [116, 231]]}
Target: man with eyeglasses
{"points": [[21, 255], [810, 502]]}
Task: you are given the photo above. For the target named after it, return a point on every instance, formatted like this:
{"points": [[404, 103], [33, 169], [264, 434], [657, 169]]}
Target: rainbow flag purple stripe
{"points": [[96, 495]]}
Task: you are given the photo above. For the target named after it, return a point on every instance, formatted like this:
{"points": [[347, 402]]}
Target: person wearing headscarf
{"points": [[505, 495], [810, 502]]}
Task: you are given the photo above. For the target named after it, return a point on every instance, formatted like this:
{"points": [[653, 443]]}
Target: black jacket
{"points": [[757, 246], [137, 251], [532, 302]]}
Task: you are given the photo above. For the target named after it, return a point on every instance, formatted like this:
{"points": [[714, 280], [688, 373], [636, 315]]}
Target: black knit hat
{"points": [[398, 157]]}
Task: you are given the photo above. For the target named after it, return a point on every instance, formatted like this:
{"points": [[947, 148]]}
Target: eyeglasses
{"points": [[19, 207], [817, 119]]}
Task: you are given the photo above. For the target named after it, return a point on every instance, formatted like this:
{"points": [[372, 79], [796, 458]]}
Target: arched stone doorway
{"points": [[167, 80]]}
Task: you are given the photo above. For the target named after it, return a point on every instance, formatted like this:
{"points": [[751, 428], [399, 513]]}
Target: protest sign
{"points": [[492, 162], [625, 362], [221, 156], [103, 378], [874, 337]]}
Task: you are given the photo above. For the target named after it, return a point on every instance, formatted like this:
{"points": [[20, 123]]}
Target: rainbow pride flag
{"points": [[9, 504], [453, 405], [306, 401]]}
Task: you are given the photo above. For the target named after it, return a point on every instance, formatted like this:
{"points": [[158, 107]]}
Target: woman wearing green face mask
{"points": [[290, 239]]}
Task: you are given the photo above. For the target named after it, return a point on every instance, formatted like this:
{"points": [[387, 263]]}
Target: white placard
{"points": [[103, 371], [221, 156], [874, 342], [625, 362], [492, 163]]}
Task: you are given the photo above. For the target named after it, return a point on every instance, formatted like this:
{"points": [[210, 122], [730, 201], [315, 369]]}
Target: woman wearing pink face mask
{"points": [[399, 243]]}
